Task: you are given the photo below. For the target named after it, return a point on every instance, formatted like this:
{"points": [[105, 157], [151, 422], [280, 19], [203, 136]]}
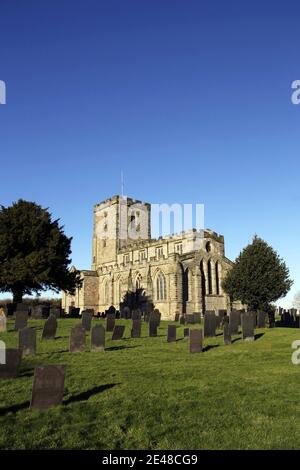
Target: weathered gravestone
{"points": [[27, 341], [77, 339], [3, 321], [55, 311], [218, 322], [226, 333], [197, 317], [271, 318], [156, 315], [261, 319], [110, 322], [48, 386], [177, 316], [136, 328], [209, 324], [136, 314], [152, 328], [98, 339], [196, 340], [234, 322], [21, 320], [248, 326], [50, 327], [182, 320], [86, 319], [118, 332], [127, 313], [147, 317], [186, 332], [171, 334], [10, 363], [190, 320]]}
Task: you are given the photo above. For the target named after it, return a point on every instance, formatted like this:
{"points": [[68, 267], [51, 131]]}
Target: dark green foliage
{"points": [[258, 277], [137, 300], [34, 252]]}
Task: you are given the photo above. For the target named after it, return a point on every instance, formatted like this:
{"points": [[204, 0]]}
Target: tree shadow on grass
{"points": [[84, 396]]}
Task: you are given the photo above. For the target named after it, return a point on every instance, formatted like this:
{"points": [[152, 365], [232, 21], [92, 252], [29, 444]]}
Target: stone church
{"points": [[182, 273]]}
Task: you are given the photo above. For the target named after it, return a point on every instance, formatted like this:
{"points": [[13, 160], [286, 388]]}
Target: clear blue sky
{"points": [[191, 99]]}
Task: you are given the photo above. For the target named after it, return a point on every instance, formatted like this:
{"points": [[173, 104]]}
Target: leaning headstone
{"points": [[48, 386], [177, 316], [136, 328], [10, 369], [98, 338], [21, 320], [3, 321], [234, 322], [50, 327], [110, 322], [118, 332], [86, 319], [152, 328], [248, 326], [261, 319], [196, 341], [226, 333], [27, 341], [171, 334], [77, 339], [186, 332], [209, 324]]}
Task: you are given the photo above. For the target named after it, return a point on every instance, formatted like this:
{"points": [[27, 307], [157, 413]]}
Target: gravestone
{"points": [[272, 322], [222, 313], [21, 320], [136, 328], [234, 322], [136, 314], [10, 369], [156, 316], [27, 341], [152, 328], [171, 334], [127, 313], [3, 321], [226, 333], [196, 340], [186, 332], [110, 323], [21, 307], [55, 311], [118, 332], [86, 320], [261, 319], [98, 339], [48, 386], [190, 320], [50, 327], [77, 339], [177, 317], [197, 317], [209, 324], [218, 322], [182, 320], [248, 326], [147, 317]]}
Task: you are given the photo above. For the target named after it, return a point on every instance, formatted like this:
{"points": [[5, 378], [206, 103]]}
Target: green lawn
{"points": [[148, 394]]}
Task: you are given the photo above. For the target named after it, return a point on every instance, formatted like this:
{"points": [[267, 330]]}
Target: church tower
{"points": [[118, 222]]}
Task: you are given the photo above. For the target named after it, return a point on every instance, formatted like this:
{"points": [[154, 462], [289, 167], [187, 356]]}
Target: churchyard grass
{"points": [[146, 393]]}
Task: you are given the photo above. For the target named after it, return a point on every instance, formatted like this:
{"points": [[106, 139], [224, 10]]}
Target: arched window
{"points": [[217, 278], [138, 282], [106, 293], [209, 277], [161, 287]]}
